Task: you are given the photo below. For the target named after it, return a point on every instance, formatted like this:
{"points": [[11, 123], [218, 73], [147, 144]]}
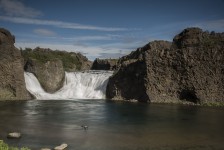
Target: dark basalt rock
{"points": [[12, 82], [190, 69]]}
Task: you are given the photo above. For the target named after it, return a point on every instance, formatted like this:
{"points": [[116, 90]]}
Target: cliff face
{"points": [[51, 74], [12, 83], [104, 64], [188, 69]]}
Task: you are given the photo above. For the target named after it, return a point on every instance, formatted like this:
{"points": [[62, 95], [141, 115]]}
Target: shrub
{"points": [[4, 146], [69, 59]]}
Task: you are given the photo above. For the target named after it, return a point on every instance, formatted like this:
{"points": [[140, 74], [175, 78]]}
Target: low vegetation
{"points": [[70, 60], [213, 40], [4, 146]]}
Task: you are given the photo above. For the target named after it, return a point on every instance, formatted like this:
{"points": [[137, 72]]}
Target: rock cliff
{"points": [[49, 66], [51, 74], [190, 69], [104, 64], [12, 83]]}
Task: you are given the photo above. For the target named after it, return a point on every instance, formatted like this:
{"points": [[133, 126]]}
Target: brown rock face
{"points": [[189, 69], [12, 83], [51, 74]]}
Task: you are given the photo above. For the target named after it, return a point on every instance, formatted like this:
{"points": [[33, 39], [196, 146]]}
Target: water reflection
{"points": [[112, 125]]}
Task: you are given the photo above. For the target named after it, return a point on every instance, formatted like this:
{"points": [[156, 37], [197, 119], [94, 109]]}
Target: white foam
{"points": [[77, 85]]}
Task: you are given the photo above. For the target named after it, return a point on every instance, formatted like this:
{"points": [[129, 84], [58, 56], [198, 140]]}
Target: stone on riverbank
{"points": [[14, 135], [61, 147]]}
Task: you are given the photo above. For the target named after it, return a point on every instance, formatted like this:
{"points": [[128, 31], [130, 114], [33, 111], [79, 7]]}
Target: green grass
{"points": [[4, 146], [69, 59]]}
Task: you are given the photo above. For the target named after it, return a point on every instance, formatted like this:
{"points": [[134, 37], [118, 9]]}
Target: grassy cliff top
{"points": [[69, 59]]}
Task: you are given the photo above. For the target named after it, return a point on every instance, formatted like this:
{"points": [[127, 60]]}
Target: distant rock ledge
{"points": [[188, 70], [104, 64]]}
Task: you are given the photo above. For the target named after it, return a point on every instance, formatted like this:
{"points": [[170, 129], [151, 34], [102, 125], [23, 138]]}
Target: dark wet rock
{"points": [[190, 69], [12, 82]]}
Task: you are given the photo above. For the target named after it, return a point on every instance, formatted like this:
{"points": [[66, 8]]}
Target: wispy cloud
{"points": [[59, 24], [217, 25], [44, 32], [17, 8], [87, 38], [92, 52]]}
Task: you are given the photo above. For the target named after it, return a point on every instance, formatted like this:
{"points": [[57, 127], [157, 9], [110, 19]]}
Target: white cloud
{"points": [[44, 32], [92, 52], [59, 24], [87, 38], [17, 8]]}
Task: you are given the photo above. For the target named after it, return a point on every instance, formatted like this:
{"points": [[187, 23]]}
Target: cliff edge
{"points": [[12, 82]]}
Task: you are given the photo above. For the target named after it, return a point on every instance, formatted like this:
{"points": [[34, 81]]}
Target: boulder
{"points": [[61, 147], [190, 69], [12, 82], [50, 74], [14, 135]]}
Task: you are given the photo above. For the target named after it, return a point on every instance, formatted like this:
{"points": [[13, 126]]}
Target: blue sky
{"points": [[105, 28]]}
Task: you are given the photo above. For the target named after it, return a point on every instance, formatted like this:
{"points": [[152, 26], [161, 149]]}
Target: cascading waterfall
{"points": [[77, 85]]}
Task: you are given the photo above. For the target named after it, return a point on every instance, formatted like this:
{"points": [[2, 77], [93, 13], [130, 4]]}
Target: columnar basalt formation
{"points": [[190, 69]]}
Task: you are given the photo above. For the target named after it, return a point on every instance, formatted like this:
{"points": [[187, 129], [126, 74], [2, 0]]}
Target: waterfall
{"points": [[77, 85]]}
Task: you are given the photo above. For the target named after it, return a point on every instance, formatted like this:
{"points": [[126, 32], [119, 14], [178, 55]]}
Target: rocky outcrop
{"points": [[51, 74], [12, 83], [85, 64], [190, 69], [104, 64], [49, 66]]}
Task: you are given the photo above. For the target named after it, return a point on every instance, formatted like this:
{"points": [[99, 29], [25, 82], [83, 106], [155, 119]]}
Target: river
{"points": [[112, 125]]}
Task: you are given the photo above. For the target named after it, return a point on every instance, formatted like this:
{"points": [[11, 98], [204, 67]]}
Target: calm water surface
{"points": [[112, 125]]}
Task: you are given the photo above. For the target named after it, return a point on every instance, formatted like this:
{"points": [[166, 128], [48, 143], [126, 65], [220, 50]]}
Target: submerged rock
{"points": [[61, 147], [14, 135]]}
